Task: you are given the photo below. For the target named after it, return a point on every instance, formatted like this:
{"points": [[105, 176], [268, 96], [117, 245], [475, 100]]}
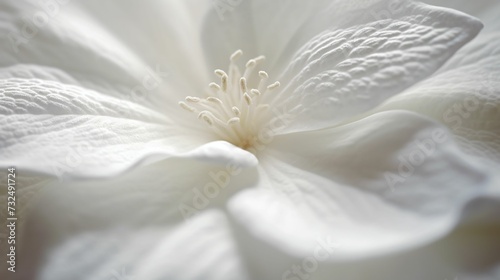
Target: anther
{"points": [[215, 100], [206, 116], [224, 82], [259, 58], [248, 99], [214, 86], [236, 55], [255, 92], [207, 120], [192, 99], [236, 111], [186, 107], [273, 86], [234, 120], [263, 75], [233, 107], [243, 85], [220, 73], [251, 63]]}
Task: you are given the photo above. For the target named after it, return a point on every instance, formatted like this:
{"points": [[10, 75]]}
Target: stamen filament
{"points": [[233, 109]]}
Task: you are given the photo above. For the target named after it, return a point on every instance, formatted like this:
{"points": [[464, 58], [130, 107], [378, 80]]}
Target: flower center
{"points": [[235, 109]]}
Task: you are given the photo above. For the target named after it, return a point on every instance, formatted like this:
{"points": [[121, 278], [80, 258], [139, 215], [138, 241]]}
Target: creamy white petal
{"points": [[486, 10], [147, 207], [258, 26], [57, 36], [466, 98], [201, 249], [61, 130], [486, 44], [386, 183], [357, 54], [165, 33], [468, 253], [346, 71], [115, 55]]}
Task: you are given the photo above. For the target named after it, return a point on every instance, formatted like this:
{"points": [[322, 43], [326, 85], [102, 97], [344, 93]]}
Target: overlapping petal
{"points": [[358, 55], [487, 11], [377, 186], [386, 183], [467, 100], [464, 94], [165, 203], [205, 245], [84, 46], [59, 130]]}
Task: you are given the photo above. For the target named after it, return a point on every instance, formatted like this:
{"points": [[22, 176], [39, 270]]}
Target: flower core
{"points": [[235, 109]]}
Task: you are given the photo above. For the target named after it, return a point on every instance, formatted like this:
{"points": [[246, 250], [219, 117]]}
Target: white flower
{"points": [[344, 164]]}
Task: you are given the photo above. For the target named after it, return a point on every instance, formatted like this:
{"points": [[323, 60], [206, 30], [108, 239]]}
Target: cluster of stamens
{"points": [[234, 109]]}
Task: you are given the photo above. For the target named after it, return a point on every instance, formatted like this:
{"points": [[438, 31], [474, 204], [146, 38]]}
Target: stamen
{"points": [[236, 55], [259, 59], [193, 99], [186, 107], [214, 86], [263, 75], [243, 85], [224, 82], [248, 99], [207, 119], [251, 63], [220, 73], [250, 66], [255, 92], [234, 109], [273, 86], [263, 80], [215, 100], [233, 121]]}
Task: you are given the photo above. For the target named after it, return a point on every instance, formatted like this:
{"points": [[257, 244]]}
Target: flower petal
{"points": [[486, 10], [163, 33], [97, 46], [356, 55], [183, 252], [346, 71], [257, 27], [56, 39], [61, 130], [486, 44], [470, 253], [382, 184], [146, 207], [465, 97]]}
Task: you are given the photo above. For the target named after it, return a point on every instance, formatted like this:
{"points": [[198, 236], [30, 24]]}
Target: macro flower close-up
{"points": [[250, 139]]}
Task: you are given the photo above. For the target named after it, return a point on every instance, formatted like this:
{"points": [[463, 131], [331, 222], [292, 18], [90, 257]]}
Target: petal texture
{"points": [[357, 54], [346, 71], [486, 10], [60, 130], [64, 41], [108, 47], [465, 96], [168, 36], [382, 184]]}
